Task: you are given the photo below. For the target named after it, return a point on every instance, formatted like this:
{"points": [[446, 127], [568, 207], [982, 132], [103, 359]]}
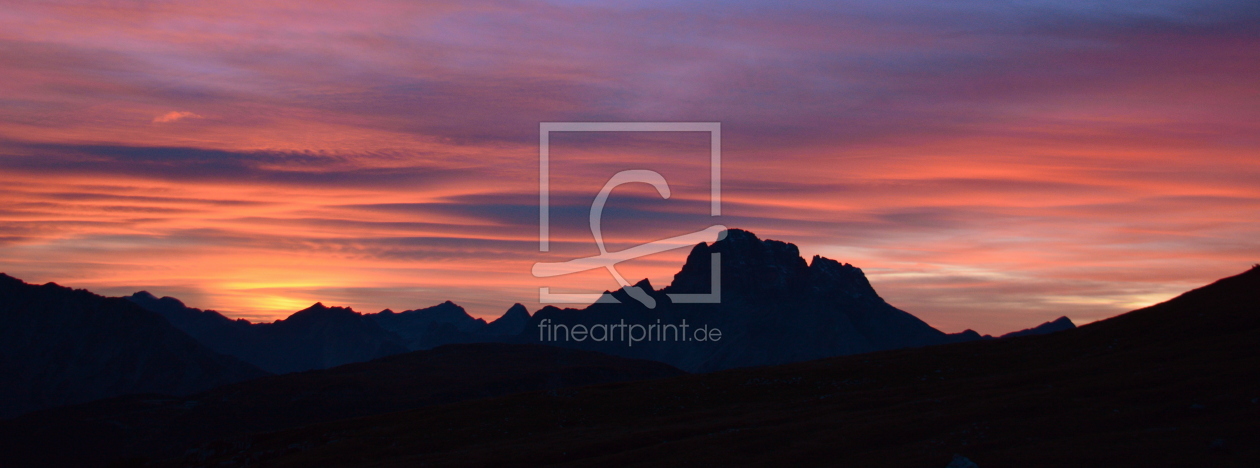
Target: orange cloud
{"points": [[174, 116]]}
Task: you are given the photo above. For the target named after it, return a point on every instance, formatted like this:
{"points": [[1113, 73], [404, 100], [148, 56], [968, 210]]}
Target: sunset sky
{"points": [[990, 165]]}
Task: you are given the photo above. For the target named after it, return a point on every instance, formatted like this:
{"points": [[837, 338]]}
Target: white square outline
{"points": [[544, 191]]}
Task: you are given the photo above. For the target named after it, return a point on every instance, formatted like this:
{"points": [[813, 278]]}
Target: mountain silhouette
{"points": [[775, 308], [1170, 385], [317, 337], [321, 337], [62, 346], [156, 426], [512, 322], [1056, 325], [429, 327], [205, 325]]}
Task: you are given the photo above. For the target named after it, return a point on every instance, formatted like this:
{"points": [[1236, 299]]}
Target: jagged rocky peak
{"points": [[753, 265], [748, 264], [828, 275], [826, 266], [746, 250]]}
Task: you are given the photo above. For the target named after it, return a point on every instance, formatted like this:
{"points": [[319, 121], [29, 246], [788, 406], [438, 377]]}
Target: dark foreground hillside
{"points": [[1176, 384], [143, 427], [62, 346]]}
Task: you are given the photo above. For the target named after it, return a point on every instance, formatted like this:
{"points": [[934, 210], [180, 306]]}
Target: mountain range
{"points": [[320, 337], [64, 346], [775, 308], [1171, 385]]}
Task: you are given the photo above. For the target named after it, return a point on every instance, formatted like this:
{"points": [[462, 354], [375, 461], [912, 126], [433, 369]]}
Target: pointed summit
{"points": [[644, 284], [640, 293], [511, 322]]}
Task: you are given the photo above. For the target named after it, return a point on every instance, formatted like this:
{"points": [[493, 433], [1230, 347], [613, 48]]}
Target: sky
{"points": [[989, 165]]}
